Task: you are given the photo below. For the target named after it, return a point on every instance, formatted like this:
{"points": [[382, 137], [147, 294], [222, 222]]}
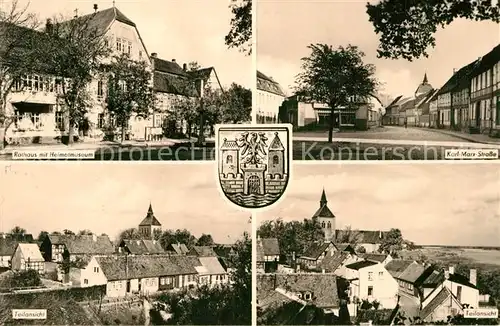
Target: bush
{"points": [[24, 279]]}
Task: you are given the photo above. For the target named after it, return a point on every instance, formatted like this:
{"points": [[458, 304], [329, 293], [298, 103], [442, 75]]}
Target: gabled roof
{"points": [[441, 297], [316, 249], [324, 287], [363, 236], [30, 251], [267, 84], [126, 267], [202, 251], [332, 262], [346, 247], [101, 20], [268, 247], [9, 243], [169, 67], [150, 219], [412, 273], [276, 144], [379, 258], [84, 244], [172, 84], [361, 264], [323, 211], [487, 61], [433, 279], [229, 145], [397, 266], [395, 101], [179, 248], [212, 265], [141, 247], [460, 279]]}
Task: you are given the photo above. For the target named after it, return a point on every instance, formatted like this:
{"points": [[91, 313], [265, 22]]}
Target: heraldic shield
{"points": [[253, 163]]}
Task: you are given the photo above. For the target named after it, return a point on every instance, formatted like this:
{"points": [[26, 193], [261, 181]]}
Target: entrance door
{"points": [[128, 286], [478, 114], [253, 184]]}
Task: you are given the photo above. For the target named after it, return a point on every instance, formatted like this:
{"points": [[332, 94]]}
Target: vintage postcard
{"points": [[373, 244], [124, 244], [253, 163], [122, 80], [381, 80]]}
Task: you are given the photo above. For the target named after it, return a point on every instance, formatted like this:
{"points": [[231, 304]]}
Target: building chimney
{"points": [[473, 276], [173, 60], [184, 67], [451, 269], [154, 55], [454, 70], [95, 7]]}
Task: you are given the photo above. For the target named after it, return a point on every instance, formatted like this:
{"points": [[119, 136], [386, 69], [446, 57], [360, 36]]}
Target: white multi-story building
{"points": [[270, 97], [39, 111]]}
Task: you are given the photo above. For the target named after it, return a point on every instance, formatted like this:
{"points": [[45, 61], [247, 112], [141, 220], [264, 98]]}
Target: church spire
{"points": [[323, 200], [425, 79], [150, 210]]}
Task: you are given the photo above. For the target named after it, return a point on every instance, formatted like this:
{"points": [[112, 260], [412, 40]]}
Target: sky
{"points": [[286, 27], [185, 30], [432, 204], [108, 198]]}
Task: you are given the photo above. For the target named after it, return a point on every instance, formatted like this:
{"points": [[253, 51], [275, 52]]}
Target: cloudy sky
{"points": [[107, 198], [286, 27], [449, 204], [185, 30]]}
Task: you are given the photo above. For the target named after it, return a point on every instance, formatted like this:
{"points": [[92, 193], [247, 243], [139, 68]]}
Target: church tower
{"points": [[325, 218], [149, 224], [424, 88], [276, 157]]}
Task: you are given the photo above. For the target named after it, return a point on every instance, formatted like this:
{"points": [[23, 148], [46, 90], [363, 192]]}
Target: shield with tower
{"points": [[253, 163]]}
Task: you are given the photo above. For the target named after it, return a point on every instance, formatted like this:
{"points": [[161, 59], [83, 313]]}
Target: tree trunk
{"points": [[70, 133], [2, 136], [124, 129], [201, 135], [188, 131], [330, 125]]}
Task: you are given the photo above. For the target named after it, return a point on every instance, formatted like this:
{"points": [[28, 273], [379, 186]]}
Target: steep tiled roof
{"points": [[84, 244], [459, 79], [150, 218], [126, 267], [463, 280], [347, 247], [101, 20], [267, 84], [379, 258], [9, 243], [179, 248], [441, 297], [212, 265], [332, 262], [30, 251], [324, 287], [363, 236], [203, 73], [316, 249], [397, 266], [203, 251], [140, 247], [395, 101], [169, 67], [488, 61], [229, 144], [361, 264], [323, 211], [412, 273], [268, 246], [435, 278]]}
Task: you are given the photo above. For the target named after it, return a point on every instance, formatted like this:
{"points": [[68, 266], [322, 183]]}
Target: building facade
{"points": [[270, 97]]}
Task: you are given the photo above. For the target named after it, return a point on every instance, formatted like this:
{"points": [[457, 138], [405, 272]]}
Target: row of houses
{"points": [[39, 111], [274, 106], [399, 287], [133, 266], [469, 101]]}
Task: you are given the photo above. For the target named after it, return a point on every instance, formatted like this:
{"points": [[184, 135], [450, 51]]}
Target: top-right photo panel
{"points": [[383, 80]]}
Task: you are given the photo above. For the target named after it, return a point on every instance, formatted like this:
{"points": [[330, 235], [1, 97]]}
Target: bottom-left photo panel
{"points": [[127, 244]]}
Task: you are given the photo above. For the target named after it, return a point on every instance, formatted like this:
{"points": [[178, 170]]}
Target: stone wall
{"points": [[231, 183], [276, 184]]}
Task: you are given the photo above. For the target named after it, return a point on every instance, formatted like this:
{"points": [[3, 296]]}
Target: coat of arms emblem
{"points": [[253, 163]]}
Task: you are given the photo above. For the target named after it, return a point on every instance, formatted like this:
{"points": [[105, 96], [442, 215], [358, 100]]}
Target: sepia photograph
{"points": [[382, 244], [381, 80], [121, 244], [122, 80]]}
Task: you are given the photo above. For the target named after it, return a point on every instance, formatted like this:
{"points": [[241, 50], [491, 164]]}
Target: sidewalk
{"points": [[95, 146], [475, 138]]}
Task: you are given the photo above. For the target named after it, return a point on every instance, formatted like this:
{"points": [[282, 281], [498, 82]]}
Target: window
{"points": [[157, 122], [498, 110], [123, 46], [60, 120], [101, 121], [129, 49], [276, 160], [329, 225], [380, 275], [370, 291], [323, 225], [96, 269], [35, 118], [85, 281], [370, 276], [100, 91], [459, 293], [229, 159], [307, 296], [140, 54]]}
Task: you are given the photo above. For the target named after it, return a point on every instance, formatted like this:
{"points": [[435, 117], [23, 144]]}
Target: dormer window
{"points": [[307, 296]]}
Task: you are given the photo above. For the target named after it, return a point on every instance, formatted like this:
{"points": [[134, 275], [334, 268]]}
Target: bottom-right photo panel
{"points": [[382, 244]]}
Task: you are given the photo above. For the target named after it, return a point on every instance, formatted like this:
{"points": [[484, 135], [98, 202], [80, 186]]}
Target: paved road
{"points": [[388, 132]]}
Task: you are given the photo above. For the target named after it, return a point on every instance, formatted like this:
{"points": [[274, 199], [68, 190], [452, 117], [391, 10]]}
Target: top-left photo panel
{"points": [[122, 80]]}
